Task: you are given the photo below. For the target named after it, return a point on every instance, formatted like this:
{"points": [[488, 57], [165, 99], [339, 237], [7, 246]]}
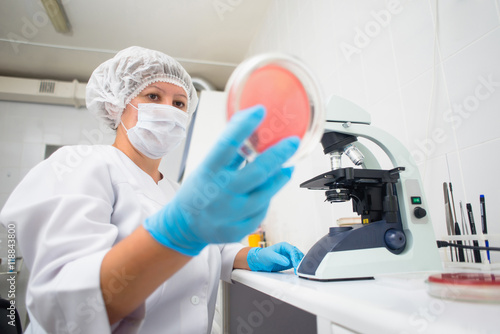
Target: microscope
{"points": [[395, 234]]}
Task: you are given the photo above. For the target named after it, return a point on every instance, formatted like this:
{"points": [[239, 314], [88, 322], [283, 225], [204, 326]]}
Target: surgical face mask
{"points": [[160, 128]]}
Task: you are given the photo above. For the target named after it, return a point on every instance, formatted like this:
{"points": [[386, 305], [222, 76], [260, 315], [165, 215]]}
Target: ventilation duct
{"points": [[47, 86], [57, 92], [42, 91]]}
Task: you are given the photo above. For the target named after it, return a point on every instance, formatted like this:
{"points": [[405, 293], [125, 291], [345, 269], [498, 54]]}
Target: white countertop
{"points": [[388, 304]]}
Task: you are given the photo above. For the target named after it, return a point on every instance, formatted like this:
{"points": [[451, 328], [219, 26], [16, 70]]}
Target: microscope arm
{"points": [[395, 150]]}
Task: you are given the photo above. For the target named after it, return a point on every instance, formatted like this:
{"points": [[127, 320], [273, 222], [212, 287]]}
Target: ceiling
{"points": [[208, 37]]}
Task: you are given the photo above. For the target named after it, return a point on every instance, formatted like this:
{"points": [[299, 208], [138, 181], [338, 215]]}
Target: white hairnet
{"points": [[117, 81]]}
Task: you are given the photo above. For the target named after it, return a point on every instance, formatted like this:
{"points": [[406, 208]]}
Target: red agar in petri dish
{"points": [[290, 95], [473, 287], [466, 279], [286, 102]]}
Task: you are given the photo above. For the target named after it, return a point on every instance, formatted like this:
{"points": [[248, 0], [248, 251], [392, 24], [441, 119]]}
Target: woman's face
{"points": [[157, 92]]}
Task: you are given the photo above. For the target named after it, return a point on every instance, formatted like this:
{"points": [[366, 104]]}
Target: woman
{"points": [[111, 245]]}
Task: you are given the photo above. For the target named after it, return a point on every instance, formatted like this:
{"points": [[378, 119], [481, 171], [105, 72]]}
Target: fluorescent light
{"points": [[56, 14]]}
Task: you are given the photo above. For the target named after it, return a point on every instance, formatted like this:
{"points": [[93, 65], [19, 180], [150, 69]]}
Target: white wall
{"points": [[25, 129], [389, 70]]}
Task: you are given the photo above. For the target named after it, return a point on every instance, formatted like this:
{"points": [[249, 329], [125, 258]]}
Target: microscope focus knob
{"points": [[394, 239], [419, 212]]}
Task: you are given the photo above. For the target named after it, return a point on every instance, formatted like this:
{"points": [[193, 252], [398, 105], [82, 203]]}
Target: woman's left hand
{"points": [[277, 257]]}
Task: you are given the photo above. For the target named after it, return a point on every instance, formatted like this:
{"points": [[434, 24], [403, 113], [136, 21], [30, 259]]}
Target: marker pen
{"points": [[477, 254], [483, 223]]}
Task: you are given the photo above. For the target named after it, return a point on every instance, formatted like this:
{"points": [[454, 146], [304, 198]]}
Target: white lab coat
{"points": [[69, 211]]}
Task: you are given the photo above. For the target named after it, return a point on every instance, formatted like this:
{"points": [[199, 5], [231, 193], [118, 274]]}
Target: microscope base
{"points": [[367, 263]]}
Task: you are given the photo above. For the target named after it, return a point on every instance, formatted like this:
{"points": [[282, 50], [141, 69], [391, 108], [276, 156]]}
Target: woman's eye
{"points": [[153, 97], [179, 104]]}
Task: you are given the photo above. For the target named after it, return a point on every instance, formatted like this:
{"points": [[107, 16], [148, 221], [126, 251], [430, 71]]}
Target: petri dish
{"points": [[291, 96], [472, 287]]}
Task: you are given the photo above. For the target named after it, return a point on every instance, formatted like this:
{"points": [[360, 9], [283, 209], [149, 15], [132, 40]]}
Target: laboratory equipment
{"points": [[475, 287], [291, 96], [396, 234]]}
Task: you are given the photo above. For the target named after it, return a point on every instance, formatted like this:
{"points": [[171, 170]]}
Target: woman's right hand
{"points": [[220, 202]]}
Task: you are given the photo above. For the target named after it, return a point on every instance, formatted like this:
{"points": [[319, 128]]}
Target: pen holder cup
{"points": [[475, 260]]}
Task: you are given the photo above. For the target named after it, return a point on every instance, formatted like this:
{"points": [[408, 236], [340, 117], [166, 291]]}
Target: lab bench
{"points": [[260, 302]]}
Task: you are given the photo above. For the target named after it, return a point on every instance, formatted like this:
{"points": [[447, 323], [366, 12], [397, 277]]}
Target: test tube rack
{"points": [[485, 266]]}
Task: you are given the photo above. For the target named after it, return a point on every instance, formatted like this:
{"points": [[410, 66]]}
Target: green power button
{"points": [[416, 200]]}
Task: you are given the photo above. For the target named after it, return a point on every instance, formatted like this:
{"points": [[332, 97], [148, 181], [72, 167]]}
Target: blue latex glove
{"points": [[277, 257], [221, 202]]}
